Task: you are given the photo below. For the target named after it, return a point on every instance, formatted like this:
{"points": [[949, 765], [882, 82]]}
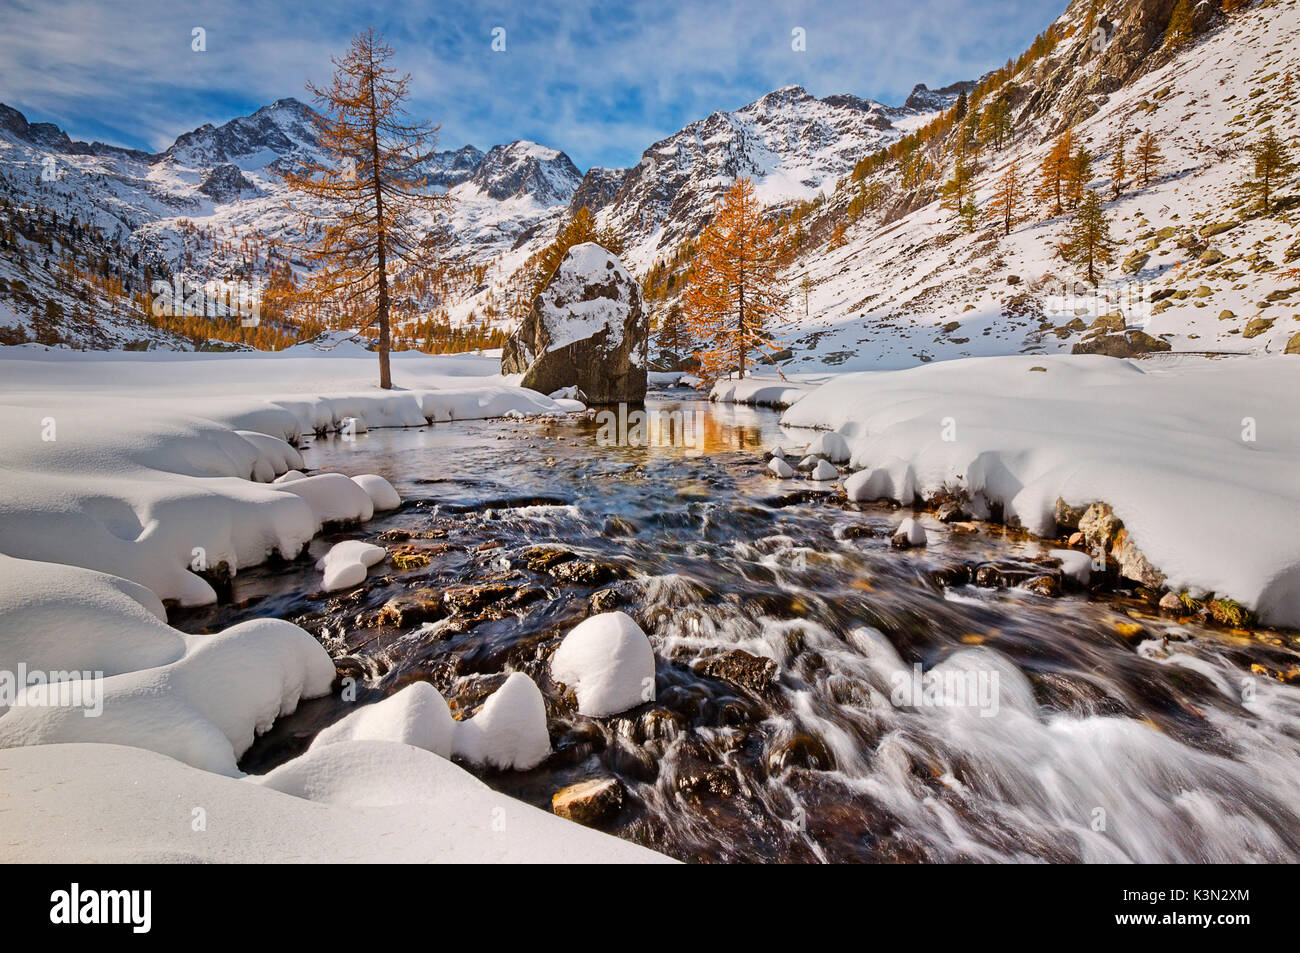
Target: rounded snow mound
{"points": [[509, 731], [608, 662], [417, 715]]}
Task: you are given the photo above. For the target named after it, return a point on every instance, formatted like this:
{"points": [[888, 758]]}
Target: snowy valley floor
{"points": [[121, 474]]}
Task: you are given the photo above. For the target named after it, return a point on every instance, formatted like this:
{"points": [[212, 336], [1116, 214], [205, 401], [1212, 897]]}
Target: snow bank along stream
{"points": [[1198, 460], [112, 505]]}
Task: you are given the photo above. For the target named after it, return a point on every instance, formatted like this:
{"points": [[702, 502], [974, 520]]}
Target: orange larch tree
{"points": [[733, 291], [370, 193], [1054, 172], [1148, 158], [1078, 172], [1004, 207]]}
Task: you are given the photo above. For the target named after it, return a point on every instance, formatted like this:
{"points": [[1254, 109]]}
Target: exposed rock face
{"points": [[586, 329], [597, 189], [226, 183], [1128, 344], [1103, 532], [925, 99], [1099, 526], [1257, 326], [46, 135], [1131, 44], [1067, 516], [1133, 565]]}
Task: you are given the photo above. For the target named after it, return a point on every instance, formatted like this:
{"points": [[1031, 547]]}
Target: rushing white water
{"points": [[1017, 782]]}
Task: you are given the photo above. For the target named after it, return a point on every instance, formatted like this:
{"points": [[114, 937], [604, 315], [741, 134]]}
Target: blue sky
{"points": [[602, 81]]}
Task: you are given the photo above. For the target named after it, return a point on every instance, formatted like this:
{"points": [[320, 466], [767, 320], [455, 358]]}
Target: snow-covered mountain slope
{"points": [[1194, 267], [518, 192], [901, 284], [793, 145], [210, 204]]}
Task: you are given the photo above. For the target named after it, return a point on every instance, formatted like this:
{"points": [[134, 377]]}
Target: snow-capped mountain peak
{"points": [[279, 129], [524, 168], [794, 145]]}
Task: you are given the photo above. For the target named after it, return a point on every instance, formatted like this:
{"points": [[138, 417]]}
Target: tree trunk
{"points": [[381, 307], [742, 331], [385, 375]]}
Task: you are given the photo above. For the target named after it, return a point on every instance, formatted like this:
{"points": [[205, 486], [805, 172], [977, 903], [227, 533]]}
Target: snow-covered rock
{"points": [[380, 491], [608, 662], [417, 715], [509, 731], [1076, 565], [333, 498], [346, 563], [894, 481], [275, 459], [779, 468], [585, 329], [823, 471], [830, 446], [909, 533]]}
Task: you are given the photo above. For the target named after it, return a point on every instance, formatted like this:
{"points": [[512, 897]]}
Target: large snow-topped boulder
{"points": [[585, 329]]}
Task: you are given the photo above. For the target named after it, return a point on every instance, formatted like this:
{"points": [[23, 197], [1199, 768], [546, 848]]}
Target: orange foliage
{"points": [[733, 291]]}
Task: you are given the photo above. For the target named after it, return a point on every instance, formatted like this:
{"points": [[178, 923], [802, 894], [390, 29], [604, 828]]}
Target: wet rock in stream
{"points": [[412, 608], [589, 802], [605, 600], [739, 668], [800, 750], [586, 572]]}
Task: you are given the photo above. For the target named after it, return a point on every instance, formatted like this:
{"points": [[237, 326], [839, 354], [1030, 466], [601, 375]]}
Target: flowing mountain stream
{"points": [[926, 704]]}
